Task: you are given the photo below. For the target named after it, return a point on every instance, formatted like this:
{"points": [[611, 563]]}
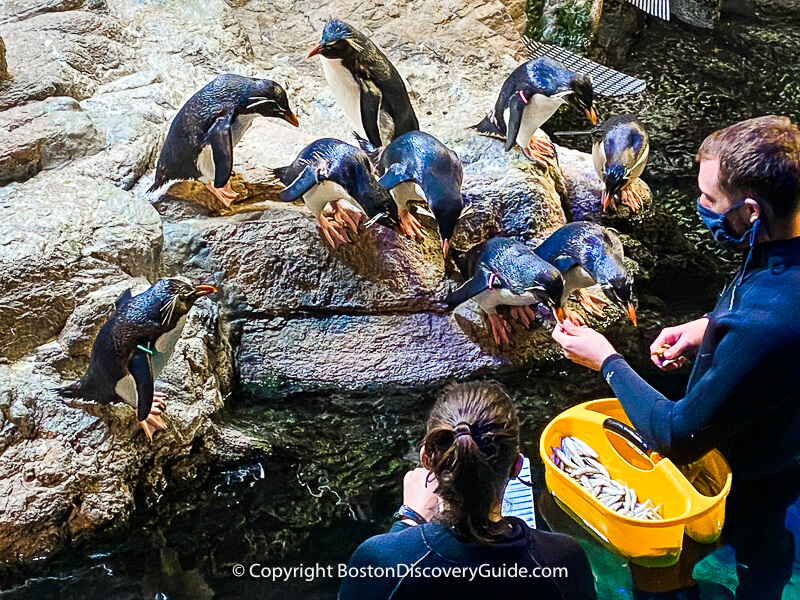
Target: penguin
{"points": [[142, 328], [200, 141], [502, 271], [531, 95], [620, 147], [418, 168], [329, 170], [587, 254], [365, 84]]}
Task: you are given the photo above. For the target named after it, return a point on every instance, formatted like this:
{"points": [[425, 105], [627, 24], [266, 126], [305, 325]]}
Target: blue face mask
{"points": [[717, 224]]}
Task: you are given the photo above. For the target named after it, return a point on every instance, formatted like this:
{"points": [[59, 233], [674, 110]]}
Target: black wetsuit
{"points": [[743, 398], [431, 548]]}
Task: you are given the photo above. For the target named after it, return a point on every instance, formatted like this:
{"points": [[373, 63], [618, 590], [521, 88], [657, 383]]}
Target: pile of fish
{"points": [[581, 462]]}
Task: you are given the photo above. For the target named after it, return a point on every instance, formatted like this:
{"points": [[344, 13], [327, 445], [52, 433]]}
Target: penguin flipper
{"points": [[563, 262], [370, 107], [304, 182], [396, 175], [516, 107], [471, 288], [221, 142], [142, 371]]}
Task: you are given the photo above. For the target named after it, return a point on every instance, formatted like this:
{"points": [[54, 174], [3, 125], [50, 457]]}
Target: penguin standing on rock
{"points": [[619, 151], [587, 254], [365, 84], [329, 170], [503, 271], [120, 367], [205, 130], [531, 95], [418, 168]]}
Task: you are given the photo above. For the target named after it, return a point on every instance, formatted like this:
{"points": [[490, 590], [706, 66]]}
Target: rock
{"points": [[44, 135], [700, 13], [63, 237], [616, 32], [18, 10], [3, 63], [570, 23]]}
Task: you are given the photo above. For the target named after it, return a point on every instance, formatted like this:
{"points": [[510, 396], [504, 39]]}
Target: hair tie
{"points": [[462, 428]]}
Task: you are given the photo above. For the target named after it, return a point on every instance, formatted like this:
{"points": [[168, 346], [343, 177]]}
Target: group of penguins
{"points": [[395, 168]]}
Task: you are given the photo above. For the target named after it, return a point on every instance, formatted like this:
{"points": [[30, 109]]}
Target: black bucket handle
{"points": [[629, 434]]}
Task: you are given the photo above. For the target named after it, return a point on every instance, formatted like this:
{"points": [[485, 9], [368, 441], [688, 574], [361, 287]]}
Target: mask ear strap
{"points": [[754, 231]]}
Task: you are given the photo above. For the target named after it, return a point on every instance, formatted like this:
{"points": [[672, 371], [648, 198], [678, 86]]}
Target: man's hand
{"points": [[679, 342], [583, 345], [419, 492]]}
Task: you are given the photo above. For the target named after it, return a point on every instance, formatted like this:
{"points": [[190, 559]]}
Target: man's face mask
{"points": [[717, 223]]}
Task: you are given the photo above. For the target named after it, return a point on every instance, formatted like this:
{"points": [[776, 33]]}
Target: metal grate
{"points": [[657, 8], [605, 81]]}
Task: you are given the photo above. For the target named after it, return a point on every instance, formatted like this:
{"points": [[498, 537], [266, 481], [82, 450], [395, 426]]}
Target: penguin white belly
{"points": [[318, 197], [126, 389], [164, 346], [408, 191], [345, 89], [537, 111], [576, 278], [488, 300], [205, 164], [599, 159]]}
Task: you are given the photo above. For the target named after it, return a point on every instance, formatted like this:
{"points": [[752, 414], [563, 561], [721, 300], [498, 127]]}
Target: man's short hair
{"points": [[760, 159]]}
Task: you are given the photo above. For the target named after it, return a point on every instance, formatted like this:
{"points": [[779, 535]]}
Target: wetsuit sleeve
{"points": [[748, 376]]}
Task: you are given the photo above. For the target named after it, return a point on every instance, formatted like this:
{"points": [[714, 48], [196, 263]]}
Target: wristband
{"points": [[406, 512]]}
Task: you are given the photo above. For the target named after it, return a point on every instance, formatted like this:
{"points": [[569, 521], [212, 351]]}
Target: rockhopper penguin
{"points": [[531, 95], [365, 84], [120, 367], [418, 168], [619, 151], [329, 170], [503, 271], [205, 130], [588, 254]]}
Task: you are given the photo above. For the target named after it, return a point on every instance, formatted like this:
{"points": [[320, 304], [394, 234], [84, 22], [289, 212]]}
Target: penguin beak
{"points": [[315, 50], [445, 247], [631, 312], [606, 200], [204, 290], [591, 115], [560, 313], [290, 117]]}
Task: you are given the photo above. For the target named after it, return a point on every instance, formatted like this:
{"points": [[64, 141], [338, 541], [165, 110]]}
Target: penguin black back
{"points": [[210, 117], [381, 88]]}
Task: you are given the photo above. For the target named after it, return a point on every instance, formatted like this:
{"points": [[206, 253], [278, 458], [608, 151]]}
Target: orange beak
{"points": [[445, 247], [560, 314], [631, 312], [204, 290], [606, 200], [315, 50], [591, 115], [291, 118]]}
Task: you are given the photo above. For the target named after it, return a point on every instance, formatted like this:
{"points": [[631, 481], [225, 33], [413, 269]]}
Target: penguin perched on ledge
{"points": [[205, 130], [365, 84], [329, 170], [418, 168], [529, 97], [502, 271], [587, 254], [619, 151], [120, 366]]}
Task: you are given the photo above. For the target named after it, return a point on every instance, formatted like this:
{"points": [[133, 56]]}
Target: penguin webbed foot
{"points": [[501, 330], [333, 232], [346, 217], [410, 225], [524, 314], [540, 151], [631, 197], [225, 194], [593, 303]]}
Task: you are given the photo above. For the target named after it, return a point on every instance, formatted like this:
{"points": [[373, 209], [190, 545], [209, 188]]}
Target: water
{"points": [[329, 468]]}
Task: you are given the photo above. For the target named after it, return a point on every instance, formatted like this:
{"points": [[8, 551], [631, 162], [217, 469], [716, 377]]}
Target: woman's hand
{"points": [[670, 349], [419, 492], [583, 345]]}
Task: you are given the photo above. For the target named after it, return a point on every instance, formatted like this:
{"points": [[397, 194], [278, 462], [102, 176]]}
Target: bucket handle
{"points": [[629, 434]]}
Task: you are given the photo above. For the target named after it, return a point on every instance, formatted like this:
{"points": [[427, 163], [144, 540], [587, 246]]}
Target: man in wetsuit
{"points": [[743, 396]]}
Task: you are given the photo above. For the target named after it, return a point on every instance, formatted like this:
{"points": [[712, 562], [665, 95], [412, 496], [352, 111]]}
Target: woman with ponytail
{"points": [[450, 539]]}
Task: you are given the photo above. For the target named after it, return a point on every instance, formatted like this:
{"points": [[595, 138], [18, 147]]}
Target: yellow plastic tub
{"points": [[684, 508]]}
